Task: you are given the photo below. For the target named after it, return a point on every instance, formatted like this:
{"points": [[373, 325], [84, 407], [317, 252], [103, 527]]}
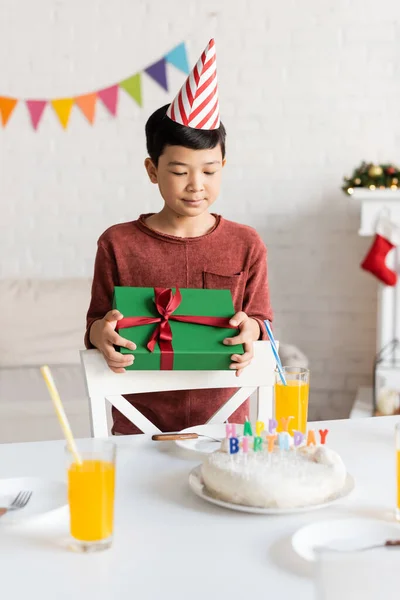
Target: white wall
{"points": [[308, 89]]}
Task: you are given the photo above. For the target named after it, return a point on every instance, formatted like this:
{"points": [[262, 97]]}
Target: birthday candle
{"points": [[298, 438], [259, 427], [233, 445], [285, 423], [283, 439], [247, 429], [230, 430], [311, 438], [272, 425], [271, 441], [257, 444], [245, 445], [323, 433]]}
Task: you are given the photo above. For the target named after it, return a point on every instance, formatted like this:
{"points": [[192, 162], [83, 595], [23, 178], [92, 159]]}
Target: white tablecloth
{"points": [[169, 543]]}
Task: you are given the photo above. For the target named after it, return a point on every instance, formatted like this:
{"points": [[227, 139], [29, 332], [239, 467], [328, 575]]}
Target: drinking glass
{"points": [[91, 486], [291, 400]]}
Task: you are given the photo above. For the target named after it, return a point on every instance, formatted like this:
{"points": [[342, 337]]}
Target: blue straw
{"points": [[275, 351]]}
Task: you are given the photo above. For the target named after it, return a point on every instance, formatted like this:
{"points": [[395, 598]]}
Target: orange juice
{"points": [[291, 400], [91, 499]]}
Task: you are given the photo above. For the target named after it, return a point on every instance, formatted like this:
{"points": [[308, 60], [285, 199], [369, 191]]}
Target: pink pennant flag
{"points": [[36, 108], [109, 97]]}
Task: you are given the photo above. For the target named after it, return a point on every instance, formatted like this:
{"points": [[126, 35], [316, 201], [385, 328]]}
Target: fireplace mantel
{"points": [[374, 203]]}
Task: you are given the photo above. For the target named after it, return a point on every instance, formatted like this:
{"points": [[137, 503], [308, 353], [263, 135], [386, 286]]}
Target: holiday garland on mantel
{"points": [[108, 96], [373, 177]]}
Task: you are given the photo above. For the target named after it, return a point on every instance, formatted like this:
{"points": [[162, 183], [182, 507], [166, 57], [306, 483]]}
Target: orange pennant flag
{"points": [[87, 104], [7, 105], [62, 108]]}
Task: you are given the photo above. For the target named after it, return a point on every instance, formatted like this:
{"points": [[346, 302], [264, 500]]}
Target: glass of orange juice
{"points": [[291, 400], [91, 486]]}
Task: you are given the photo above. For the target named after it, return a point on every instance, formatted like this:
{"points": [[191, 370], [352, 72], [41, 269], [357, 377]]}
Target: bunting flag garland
{"points": [[158, 72], [133, 87], [178, 58], [62, 108], [7, 106], [87, 104], [109, 96], [36, 108]]}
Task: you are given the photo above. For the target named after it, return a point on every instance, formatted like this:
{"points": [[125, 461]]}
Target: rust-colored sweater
{"points": [[230, 256]]}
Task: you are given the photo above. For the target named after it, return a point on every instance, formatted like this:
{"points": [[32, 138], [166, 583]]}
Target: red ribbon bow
{"points": [[167, 303]]}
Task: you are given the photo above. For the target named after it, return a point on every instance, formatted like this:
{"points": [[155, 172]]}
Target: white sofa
{"points": [[43, 322]]}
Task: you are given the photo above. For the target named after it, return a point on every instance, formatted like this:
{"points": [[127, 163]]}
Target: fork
{"points": [[20, 501], [386, 544]]}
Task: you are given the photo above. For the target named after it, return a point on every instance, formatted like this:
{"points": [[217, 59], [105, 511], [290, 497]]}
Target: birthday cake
{"points": [[276, 474]]}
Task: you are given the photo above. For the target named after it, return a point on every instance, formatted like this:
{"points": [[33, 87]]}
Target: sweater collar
{"points": [[141, 224]]}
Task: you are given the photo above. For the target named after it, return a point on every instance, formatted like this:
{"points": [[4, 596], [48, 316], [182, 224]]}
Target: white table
{"points": [[168, 541]]}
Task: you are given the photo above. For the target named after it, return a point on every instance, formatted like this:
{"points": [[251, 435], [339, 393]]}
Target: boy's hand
{"points": [[249, 332], [103, 336]]}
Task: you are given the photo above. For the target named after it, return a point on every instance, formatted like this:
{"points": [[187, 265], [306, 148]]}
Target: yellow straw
{"points": [[62, 417]]}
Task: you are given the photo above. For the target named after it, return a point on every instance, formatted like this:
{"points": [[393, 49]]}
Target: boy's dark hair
{"points": [[161, 131]]}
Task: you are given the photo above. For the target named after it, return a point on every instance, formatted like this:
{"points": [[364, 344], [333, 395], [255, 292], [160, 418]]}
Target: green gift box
{"points": [[157, 320]]}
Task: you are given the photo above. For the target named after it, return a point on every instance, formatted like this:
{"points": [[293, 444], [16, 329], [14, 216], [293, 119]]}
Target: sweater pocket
{"points": [[235, 283]]}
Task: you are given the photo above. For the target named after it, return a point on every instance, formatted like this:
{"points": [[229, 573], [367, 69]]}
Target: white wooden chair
{"points": [[103, 384]]}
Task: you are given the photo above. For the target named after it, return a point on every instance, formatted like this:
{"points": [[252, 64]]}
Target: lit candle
{"points": [[323, 433]]}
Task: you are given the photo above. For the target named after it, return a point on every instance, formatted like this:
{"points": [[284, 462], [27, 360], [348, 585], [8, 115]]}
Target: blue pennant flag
{"points": [[178, 58]]}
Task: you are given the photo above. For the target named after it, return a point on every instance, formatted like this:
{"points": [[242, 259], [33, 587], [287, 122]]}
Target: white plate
{"points": [[46, 496], [203, 445], [197, 485], [344, 534]]}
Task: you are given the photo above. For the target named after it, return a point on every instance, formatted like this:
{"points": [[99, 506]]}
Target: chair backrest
{"points": [[103, 384]]}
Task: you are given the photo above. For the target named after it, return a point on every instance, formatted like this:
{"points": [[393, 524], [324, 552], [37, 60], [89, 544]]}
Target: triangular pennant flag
{"points": [[87, 104], [157, 71], [36, 108], [196, 104], [133, 87], [178, 58], [62, 108], [7, 106], [109, 97]]}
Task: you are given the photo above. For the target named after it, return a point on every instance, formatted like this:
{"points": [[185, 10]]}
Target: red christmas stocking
{"points": [[387, 237]]}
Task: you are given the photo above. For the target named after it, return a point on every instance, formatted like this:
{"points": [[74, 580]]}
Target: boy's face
{"points": [[189, 180]]}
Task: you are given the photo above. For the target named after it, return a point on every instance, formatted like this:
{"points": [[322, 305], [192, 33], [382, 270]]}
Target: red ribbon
{"points": [[167, 303]]}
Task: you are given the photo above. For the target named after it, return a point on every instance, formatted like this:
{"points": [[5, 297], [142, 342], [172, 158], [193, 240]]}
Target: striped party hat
{"points": [[196, 104]]}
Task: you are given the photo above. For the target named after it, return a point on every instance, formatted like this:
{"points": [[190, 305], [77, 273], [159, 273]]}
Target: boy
{"points": [[184, 245]]}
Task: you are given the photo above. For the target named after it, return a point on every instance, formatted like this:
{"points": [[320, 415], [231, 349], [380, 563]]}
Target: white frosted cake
{"points": [[295, 478]]}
